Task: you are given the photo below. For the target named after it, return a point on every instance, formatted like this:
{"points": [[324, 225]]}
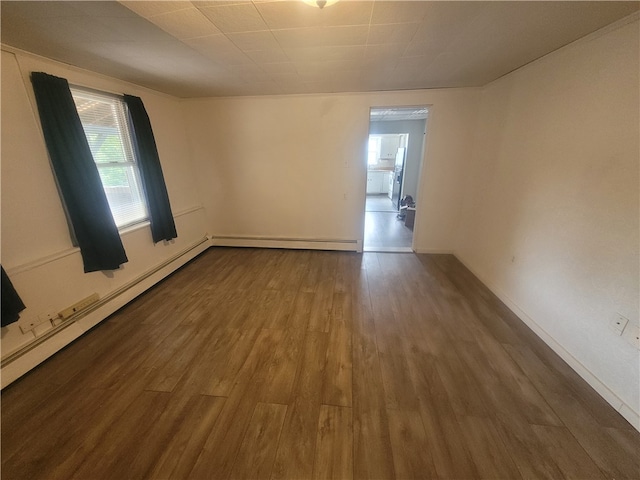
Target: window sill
{"points": [[132, 228]]}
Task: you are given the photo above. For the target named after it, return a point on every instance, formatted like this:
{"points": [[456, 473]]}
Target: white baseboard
{"points": [[31, 355], [626, 410], [432, 251], [290, 243]]}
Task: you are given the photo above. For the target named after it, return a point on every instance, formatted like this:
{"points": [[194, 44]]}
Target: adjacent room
{"points": [[395, 150], [307, 239]]}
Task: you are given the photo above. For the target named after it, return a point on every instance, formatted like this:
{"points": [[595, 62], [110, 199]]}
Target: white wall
{"points": [[36, 248], [551, 218], [416, 131], [295, 166]]}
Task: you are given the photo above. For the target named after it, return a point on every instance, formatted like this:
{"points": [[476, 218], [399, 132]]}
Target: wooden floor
{"points": [[382, 227], [306, 364], [379, 203], [386, 230]]}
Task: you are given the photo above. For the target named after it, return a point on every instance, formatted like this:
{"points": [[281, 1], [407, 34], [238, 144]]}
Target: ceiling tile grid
{"points": [[260, 47]]}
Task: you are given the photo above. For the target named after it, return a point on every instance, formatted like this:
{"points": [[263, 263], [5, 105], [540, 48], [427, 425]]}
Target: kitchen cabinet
{"points": [[389, 147], [378, 182], [386, 181]]}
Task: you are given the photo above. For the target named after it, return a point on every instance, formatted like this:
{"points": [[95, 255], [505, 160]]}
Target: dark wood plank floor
{"points": [[280, 364]]}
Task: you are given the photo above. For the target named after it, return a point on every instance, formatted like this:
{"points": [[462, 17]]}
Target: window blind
{"points": [[104, 120]]}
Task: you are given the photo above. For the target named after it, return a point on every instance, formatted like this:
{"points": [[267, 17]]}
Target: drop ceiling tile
{"points": [[414, 66], [247, 41], [275, 55], [187, 23], [280, 68], [103, 9], [322, 36], [348, 76], [238, 58], [326, 54], [213, 44], [320, 86], [323, 68], [351, 86], [72, 30], [379, 71], [330, 86], [178, 49], [307, 77], [235, 18], [136, 29], [297, 89], [219, 3], [117, 50], [383, 53], [265, 88], [392, 33], [279, 15], [148, 9], [41, 9], [288, 79], [248, 71], [422, 48], [219, 49], [230, 90], [187, 68], [447, 20], [398, 12]]}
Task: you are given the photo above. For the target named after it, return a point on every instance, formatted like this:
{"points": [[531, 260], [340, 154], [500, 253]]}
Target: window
{"points": [[374, 149], [105, 122]]}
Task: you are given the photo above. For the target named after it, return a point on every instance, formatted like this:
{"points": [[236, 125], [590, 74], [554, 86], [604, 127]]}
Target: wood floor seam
{"points": [[297, 364]]}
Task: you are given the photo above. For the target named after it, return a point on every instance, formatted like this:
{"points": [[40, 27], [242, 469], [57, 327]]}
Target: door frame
{"points": [[420, 183]]}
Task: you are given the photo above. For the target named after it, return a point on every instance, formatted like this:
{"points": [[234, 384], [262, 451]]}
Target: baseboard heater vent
{"points": [[286, 242], [70, 317]]}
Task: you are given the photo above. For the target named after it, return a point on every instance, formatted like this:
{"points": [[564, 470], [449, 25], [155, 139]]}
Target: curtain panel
{"points": [[12, 304], [160, 215], [77, 175]]}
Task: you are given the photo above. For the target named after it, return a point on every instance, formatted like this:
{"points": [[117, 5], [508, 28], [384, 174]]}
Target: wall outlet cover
{"points": [[27, 325], [33, 322], [618, 323], [632, 335]]}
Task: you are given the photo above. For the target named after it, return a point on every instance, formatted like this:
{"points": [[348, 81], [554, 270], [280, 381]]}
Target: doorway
{"points": [[394, 162]]}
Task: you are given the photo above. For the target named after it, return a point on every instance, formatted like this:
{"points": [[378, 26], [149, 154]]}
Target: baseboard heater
{"points": [[96, 305], [286, 242]]}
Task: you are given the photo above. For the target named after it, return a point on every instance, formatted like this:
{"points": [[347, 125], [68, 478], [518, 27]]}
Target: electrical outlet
{"points": [[618, 323], [33, 322], [632, 335], [27, 325]]}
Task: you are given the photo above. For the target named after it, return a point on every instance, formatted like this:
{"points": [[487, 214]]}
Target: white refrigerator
{"points": [[398, 177]]}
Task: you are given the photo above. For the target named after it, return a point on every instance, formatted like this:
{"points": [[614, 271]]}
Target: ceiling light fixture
{"points": [[320, 3]]}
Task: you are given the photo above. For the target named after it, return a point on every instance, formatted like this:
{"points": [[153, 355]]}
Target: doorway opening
{"points": [[394, 163]]}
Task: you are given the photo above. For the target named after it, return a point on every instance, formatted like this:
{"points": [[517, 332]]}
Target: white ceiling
{"points": [[398, 113], [222, 48]]}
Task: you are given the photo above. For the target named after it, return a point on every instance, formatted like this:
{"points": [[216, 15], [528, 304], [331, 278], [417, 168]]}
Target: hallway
{"points": [[384, 231]]}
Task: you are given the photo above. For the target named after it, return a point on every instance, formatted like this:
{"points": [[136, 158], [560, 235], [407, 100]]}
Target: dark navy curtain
{"points": [[11, 302], [160, 216], [77, 175]]}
